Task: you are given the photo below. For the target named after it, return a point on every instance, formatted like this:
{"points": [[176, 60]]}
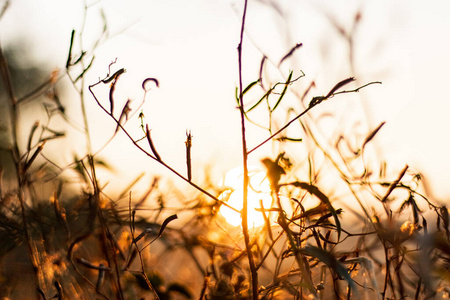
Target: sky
{"points": [[190, 46]]}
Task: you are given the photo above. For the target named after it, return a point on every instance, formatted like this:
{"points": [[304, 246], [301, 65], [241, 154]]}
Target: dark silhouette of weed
{"points": [[364, 234]]}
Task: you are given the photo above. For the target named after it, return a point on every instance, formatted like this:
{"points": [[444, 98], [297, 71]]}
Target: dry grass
{"points": [[345, 225]]}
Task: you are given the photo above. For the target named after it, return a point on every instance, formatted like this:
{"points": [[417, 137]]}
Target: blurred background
{"points": [[190, 47]]}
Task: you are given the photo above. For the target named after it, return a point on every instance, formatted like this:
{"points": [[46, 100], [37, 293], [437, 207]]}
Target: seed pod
{"points": [[112, 88], [152, 146], [33, 157], [339, 85], [124, 114], [143, 233], [144, 83], [101, 276], [290, 53], [114, 76], [372, 134], [188, 154]]}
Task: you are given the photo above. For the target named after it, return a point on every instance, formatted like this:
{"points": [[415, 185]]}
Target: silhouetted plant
{"points": [[82, 243]]}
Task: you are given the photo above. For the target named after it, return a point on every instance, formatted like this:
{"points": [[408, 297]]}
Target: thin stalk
{"points": [[20, 172], [314, 102], [244, 216], [13, 111], [82, 98], [135, 143], [85, 120], [305, 274], [281, 129]]}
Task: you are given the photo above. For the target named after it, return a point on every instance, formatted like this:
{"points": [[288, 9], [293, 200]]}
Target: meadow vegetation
{"points": [[342, 223]]}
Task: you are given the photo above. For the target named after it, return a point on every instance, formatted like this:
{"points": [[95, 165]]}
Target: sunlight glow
{"points": [[259, 190]]}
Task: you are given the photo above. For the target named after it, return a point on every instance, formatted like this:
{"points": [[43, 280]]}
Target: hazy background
{"points": [[190, 46]]}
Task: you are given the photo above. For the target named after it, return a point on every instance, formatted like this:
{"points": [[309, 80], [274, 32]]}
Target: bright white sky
{"points": [[190, 46]]}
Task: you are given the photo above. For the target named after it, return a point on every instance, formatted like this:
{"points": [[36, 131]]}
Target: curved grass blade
{"points": [[289, 53], [314, 190], [260, 100], [331, 261], [250, 86], [69, 56], [372, 134], [144, 83], [163, 226], [288, 81], [152, 146]]}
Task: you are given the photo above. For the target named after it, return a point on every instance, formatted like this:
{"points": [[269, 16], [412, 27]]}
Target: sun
{"points": [[259, 189]]}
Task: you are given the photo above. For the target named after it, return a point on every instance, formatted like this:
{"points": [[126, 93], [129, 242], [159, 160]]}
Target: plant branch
{"points": [[315, 101], [135, 143], [244, 212]]}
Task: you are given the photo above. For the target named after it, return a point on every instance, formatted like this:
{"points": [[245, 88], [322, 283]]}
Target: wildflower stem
{"points": [[244, 212]]}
